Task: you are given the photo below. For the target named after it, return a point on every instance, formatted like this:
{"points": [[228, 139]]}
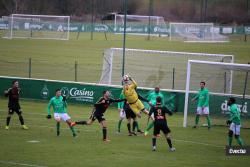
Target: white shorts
{"points": [[235, 128], [61, 116], [202, 111], [122, 114]]}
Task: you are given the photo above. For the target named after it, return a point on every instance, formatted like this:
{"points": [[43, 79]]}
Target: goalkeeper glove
{"points": [[48, 116], [229, 122]]}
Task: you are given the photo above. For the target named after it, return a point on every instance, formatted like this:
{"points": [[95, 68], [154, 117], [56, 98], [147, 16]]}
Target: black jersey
{"points": [[159, 112], [102, 107], [13, 94]]}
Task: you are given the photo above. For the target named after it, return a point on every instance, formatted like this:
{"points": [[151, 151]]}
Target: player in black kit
{"points": [[160, 123], [13, 104], [98, 113]]}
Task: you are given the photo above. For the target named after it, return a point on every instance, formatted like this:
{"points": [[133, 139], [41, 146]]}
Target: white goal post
{"points": [[38, 27], [139, 25], [154, 67], [210, 66], [195, 32]]}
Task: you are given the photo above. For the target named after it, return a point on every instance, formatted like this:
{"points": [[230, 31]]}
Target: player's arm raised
{"points": [[133, 84]]}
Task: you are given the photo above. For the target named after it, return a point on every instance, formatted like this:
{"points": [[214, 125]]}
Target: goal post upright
{"points": [[68, 27], [11, 27], [227, 66], [187, 94]]}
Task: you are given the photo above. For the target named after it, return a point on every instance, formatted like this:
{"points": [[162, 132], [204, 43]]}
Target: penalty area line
{"points": [[200, 143], [19, 164]]}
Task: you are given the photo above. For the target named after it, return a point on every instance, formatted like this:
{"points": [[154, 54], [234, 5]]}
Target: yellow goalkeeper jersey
{"points": [[130, 93]]}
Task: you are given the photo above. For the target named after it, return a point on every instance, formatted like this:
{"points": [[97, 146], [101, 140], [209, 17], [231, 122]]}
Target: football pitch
{"points": [[51, 59], [39, 146]]}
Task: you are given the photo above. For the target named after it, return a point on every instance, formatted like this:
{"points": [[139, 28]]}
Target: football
{"points": [[125, 78]]}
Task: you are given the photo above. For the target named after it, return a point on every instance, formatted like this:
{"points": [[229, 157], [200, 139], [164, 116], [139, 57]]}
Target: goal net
{"points": [[141, 25], [218, 98], [152, 67], [195, 32], [38, 27]]}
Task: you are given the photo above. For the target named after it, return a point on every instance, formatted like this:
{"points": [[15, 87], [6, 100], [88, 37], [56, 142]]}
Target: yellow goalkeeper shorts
{"points": [[137, 106]]}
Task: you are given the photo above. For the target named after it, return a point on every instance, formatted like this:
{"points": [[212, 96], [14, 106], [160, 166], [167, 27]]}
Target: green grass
{"points": [[194, 147], [54, 59]]}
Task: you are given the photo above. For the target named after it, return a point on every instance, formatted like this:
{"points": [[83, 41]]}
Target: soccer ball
{"points": [[125, 78]]}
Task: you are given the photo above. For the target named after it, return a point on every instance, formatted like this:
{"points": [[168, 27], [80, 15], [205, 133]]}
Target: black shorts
{"points": [[129, 113], [16, 109], [161, 126], [97, 115]]}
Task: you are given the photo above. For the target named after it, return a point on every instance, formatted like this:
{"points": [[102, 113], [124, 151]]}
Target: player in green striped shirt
{"points": [[152, 99], [59, 105], [234, 122], [203, 104]]}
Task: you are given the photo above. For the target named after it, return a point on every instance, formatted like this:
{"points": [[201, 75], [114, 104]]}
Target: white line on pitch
{"points": [[179, 140], [20, 164], [194, 142]]}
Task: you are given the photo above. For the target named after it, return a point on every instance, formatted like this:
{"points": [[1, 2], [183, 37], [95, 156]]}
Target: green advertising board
{"points": [[89, 93], [134, 28]]}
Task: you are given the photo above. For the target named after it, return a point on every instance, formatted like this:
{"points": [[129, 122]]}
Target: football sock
{"points": [[134, 125], [137, 125], [169, 142], [8, 121], [104, 132], [119, 125], [82, 122], [58, 128], [154, 142], [208, 121], [72, 130], [197, 119], [239, 141], [230, 139], [129, 127], [150, 125], [21, 119]]}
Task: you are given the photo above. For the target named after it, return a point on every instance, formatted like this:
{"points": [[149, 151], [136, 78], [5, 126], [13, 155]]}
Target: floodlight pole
{"points": [[92, 19], [124, 35], [205, 11], [150, 13]]}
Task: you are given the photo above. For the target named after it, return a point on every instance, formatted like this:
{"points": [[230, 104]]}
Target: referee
{"points": [[13, 104]]}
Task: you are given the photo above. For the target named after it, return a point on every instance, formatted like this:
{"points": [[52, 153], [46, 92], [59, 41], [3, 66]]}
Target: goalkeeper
{"points": [[234, 122], [129, 91], [125, 110], [59, 105]]}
